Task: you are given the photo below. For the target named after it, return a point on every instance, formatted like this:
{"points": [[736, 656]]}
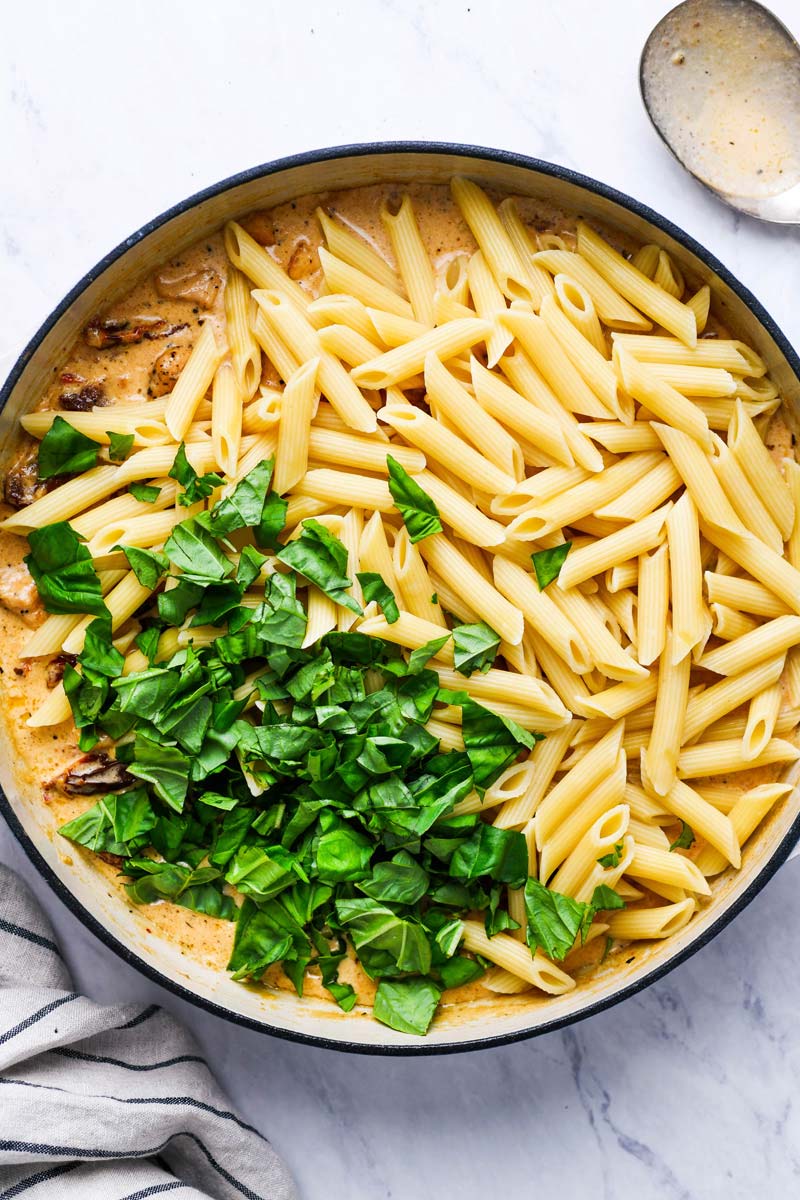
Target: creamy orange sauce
{"points": [[130, 372]]}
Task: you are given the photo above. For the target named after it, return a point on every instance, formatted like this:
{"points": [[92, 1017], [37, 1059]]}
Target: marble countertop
{"points": [[686, 1091]]}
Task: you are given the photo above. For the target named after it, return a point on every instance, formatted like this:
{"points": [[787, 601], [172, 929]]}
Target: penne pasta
{"points": [[244, 349], [451, 399], [357, 252], [660, 759], [648, 297], [294, 428]]}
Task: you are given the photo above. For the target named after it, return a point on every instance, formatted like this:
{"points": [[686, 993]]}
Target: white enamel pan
{"points": [[86, 892]]}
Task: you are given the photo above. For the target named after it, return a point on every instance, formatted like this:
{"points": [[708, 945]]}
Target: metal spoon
{"points": [[720, 80]]}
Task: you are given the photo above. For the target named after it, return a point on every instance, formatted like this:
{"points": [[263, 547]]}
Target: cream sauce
{"points": [[722, 83]]}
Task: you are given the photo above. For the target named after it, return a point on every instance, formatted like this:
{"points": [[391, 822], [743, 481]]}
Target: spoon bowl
{"points": [[720, 80]]}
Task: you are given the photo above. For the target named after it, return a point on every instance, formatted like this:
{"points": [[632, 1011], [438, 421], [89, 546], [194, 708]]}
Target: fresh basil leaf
{"points": [[147, 565], [260, 873], [65, 451], [144, 492], [449, 935], [420, 514], [348, 648], [120, 445], [264, 936], [244, 506], [401, 881], [250, 564], [373, 926], [86, 693], [147, 641], [421, 657], [322, 559], [613, 858], [492, 742], [196, 553], [374, 588], [217, 801], [194, 487], [114, 823], [281, 620], [474, 647], [502, 854], [458, 971], [196, 889], [342, 853], [548, 563], [99, 655], [446, 778], [407, 1005], [173, 604], [272, 523], [166, 767], [685, 838], [63, 571], [343, 993], [230, 835], [605, 898], [554, 921]]}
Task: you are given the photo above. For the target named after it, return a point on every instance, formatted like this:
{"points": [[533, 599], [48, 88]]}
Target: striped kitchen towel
{"points": [[105, 1102]]}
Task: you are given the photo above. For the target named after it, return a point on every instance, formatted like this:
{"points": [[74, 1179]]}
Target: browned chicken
{"points": [[199, 287], [19, 595]]}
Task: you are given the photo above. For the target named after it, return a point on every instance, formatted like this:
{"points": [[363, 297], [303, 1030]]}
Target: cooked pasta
{"points": [[478, 574]]}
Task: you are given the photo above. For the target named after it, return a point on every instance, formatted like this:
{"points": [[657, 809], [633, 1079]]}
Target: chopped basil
{"points": [[502, 854], [420, 514], [244, 506], [322, 559], [197, 554], [492, 742], [147, 565], [555, 921], [144, 492], [65, 451], [685, 838], [115, 824], [548, 563], [194, 487], [407, 1005], [294, 789], [421, 657], [374, 588], [605, 898], [63, 571], [119, 445], [474, 647], [198, 888], [613, 858]]}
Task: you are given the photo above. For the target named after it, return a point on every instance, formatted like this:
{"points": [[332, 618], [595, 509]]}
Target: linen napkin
{"points": [[108, 1102]]}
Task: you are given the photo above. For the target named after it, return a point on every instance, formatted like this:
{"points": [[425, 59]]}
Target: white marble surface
{"points": [[111, 113]]}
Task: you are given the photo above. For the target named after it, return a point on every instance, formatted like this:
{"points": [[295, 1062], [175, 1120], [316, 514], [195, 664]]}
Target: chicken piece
{"points": [[166, 369], [260, 227], [19, 595], [304, 261], [198, 287], [22, 484]]}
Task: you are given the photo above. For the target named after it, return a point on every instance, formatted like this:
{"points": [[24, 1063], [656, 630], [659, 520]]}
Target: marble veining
{"points": [[687, 1091]]}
